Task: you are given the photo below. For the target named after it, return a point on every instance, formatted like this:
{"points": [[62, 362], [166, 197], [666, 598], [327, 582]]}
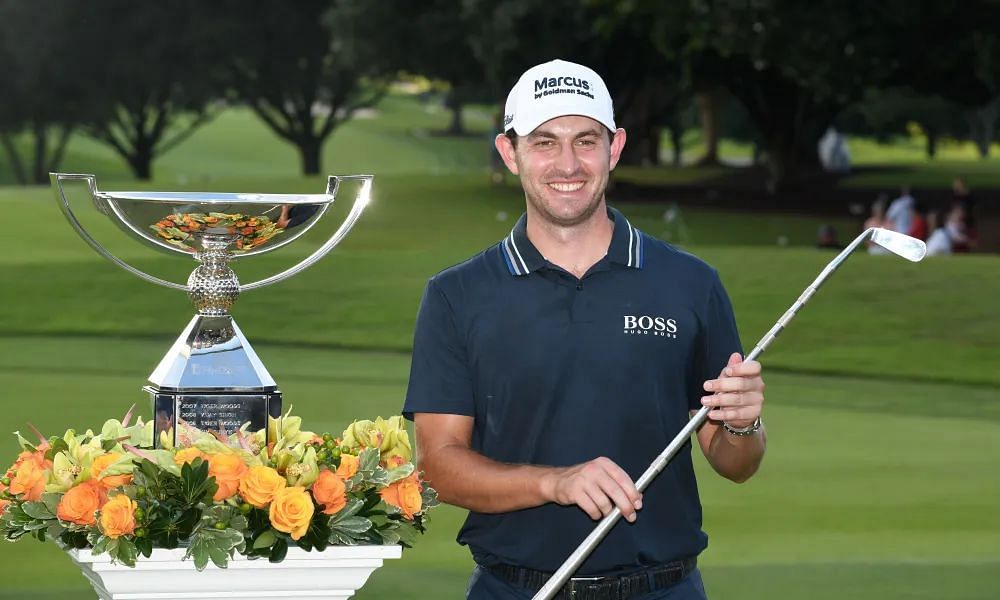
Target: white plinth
{"points": [[335, 573]]}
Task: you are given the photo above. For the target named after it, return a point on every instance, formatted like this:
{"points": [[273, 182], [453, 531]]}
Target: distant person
{"points": [[962, 198], [877, 219], [918, 223], [962, 238], [938, 242], [833, 152], [826, 238], [899, 212]]}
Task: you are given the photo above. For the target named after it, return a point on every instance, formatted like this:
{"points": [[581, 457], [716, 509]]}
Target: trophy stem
{"points": [[213, 287]]}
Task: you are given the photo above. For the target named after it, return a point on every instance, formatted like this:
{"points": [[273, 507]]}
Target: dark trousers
{"points": [[485, 586]]}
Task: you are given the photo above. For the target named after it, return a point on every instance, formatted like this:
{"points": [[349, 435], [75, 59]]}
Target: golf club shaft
{"points": [[582, 551]]}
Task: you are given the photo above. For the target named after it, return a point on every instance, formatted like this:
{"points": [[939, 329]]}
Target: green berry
{"points": [[140, 492], [139, 513], [327, 437], [140, 533], [220, 525], [335, 452], [322, 455], [245, 508]]}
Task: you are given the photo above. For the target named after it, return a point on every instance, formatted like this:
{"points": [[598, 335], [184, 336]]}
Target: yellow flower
{"points": [[102, 462], [80, 503], [405, 495], [118, 516], [187, 455], [228, 470], [329, 491], [363, 434], [260, 485], [348, 466], [291, 511]]}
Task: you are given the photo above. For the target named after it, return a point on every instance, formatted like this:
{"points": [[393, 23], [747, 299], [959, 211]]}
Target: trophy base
{"points": [[177, 414]]}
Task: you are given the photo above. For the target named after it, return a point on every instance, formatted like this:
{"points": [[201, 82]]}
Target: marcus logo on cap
{"points": [[556, 89]]}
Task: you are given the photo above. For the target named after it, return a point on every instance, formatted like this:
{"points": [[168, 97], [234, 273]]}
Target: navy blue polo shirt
{"points": [[557, 371]]}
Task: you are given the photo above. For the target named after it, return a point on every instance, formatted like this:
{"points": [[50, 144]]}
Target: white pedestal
{"points": [[337, 572]]}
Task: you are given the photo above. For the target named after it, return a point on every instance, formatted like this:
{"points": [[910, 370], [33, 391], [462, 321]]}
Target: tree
{"points": [[46, 94], [305, 67], [157, 66]]}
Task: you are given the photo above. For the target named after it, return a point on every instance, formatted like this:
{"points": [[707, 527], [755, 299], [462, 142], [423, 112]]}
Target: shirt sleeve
{"points": [[718, 339], [439, 371]]}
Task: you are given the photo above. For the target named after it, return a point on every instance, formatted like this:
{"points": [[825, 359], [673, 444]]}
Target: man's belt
{"points": [[614, 587]]}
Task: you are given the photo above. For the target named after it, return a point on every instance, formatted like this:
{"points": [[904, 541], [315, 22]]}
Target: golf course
{"points": [[882, 474]]}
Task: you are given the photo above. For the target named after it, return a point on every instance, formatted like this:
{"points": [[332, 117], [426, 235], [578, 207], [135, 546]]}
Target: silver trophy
{"points": [[211, 379]]}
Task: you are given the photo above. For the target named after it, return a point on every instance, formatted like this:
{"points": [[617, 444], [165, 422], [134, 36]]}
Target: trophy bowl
{"points": [[211, 379]]}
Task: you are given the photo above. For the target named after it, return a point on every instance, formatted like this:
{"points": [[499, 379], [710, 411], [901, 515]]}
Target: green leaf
{"points": [[200, 555], [400, 472], [265, 540], [352, 525], [368, 460], [37, 510], [279, 551], [350, 509], [126, 552], [51, 501], [389, 536]]}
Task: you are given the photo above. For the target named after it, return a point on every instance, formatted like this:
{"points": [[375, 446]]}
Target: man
{"points": [[551, 369]]}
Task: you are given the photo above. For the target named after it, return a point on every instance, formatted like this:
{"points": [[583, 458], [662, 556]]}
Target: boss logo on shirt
{"points": [[647, 325]]}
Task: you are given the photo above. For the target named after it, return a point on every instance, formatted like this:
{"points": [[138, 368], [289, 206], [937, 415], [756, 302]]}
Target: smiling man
{"points": [[551, 369]]}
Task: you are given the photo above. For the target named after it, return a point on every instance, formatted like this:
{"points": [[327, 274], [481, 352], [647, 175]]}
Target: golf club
{"points": [[900, 244]]}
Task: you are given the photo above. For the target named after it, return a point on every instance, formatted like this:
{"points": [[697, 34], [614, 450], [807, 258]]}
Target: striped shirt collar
{"points": [[521, 257]]}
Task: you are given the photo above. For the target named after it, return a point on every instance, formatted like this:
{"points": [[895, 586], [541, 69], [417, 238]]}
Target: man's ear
{"points": [[617, 144], [507, 152]]}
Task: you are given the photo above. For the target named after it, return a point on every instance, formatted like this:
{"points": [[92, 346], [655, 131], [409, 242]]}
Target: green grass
{"points": [[883, 395], [852, 501]]}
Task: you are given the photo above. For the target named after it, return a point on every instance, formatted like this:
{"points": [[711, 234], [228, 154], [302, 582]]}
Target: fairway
{"points": [[852, 501], [883, 397]]}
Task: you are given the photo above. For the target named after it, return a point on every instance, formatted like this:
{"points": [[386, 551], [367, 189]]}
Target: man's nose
{"points": [[567, 162]]}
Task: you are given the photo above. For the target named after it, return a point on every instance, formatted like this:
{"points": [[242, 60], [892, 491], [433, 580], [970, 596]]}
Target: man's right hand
{"points": [[596, 486]]}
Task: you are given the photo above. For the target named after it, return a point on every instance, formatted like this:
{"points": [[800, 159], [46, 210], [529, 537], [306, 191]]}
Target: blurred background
{"points": [[761, 136]]}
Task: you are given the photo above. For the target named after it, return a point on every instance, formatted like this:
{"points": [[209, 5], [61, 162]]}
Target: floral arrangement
{"points": [[177, 229], [219, 495]]}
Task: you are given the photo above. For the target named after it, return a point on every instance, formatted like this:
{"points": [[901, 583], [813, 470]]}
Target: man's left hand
{"points": [[738, 393]]}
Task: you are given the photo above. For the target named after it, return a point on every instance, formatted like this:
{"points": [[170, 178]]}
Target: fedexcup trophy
{"points": [[211, 379]]}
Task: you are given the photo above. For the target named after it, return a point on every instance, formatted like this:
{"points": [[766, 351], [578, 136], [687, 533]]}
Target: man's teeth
{"points": [[567, 187]]}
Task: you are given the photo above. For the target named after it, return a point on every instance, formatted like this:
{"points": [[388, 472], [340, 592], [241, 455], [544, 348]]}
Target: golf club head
{"points": [[901, 244]]}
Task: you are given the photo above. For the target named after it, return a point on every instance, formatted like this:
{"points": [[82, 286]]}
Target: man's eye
{"points": [[586, 142], [543, 143]]}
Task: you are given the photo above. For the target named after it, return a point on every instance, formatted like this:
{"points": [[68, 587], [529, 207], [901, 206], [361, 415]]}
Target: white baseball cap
{"points": [[555, 89]]}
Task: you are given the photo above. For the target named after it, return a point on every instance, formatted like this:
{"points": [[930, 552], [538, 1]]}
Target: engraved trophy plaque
{"points": [[211, 379]]}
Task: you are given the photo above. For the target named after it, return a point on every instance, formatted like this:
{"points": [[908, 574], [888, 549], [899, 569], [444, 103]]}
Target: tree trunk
{"points": [[455, 106], [932, 141], [708, 114], [311, 154], [141, 160], [677, 143], [39, 175], [15, 159]]}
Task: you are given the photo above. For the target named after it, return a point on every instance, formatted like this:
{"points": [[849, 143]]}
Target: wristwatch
{"points": [[750, 429]]}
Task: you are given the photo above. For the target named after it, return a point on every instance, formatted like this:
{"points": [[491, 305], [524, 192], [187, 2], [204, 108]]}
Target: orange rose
{"points": [[228, 470], [101, 463], [79, 504], [329, 491], [118, 516], [405, 495], [30, 479], [348, 466], [260, 485], [291, 511], [187, 455]]}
